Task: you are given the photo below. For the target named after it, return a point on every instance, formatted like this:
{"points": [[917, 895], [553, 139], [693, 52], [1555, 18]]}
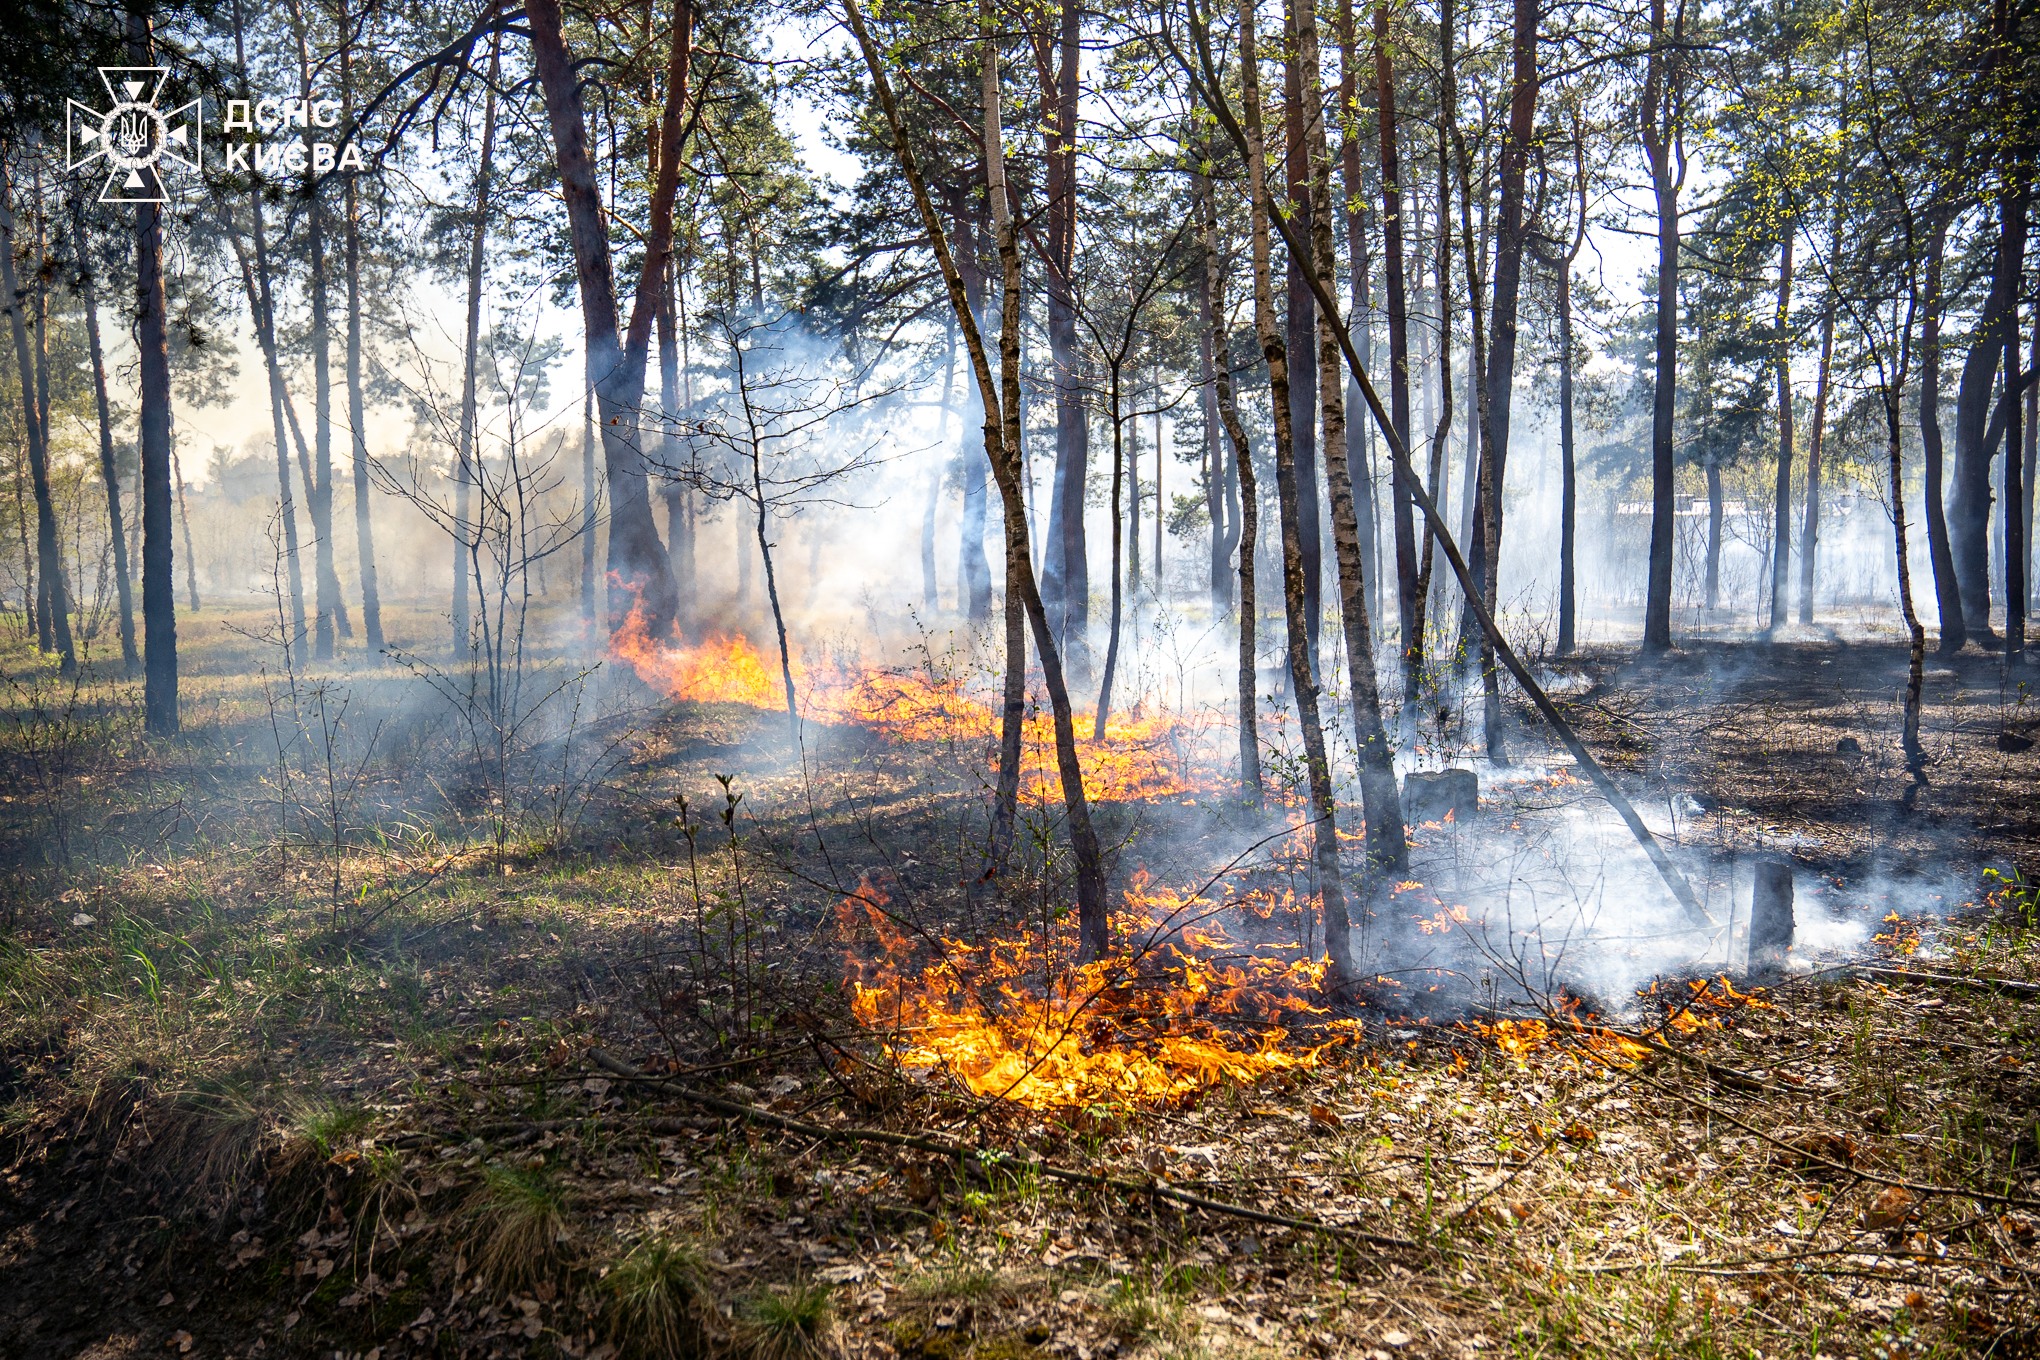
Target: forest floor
{"points": [[453, 1087]]}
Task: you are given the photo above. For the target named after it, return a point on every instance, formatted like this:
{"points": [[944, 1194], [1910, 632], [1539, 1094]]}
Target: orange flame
{"points": [[1144, 754], [1181, 1006]]}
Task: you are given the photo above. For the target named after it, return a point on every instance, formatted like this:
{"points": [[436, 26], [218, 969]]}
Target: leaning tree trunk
{"points": [[55, 612], [109, 471]]}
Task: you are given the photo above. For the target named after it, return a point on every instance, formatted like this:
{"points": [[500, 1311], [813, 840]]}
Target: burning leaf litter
{"points": [[1145, 754]]}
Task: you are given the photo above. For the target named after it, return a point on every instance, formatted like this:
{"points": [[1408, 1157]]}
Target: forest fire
{"points": [[1181, 1006], [1144, 754], [1707, 1004]]}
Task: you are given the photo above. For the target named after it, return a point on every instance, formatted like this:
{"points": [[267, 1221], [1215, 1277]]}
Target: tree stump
{"points": [[1429, 795], [1771, 919]]}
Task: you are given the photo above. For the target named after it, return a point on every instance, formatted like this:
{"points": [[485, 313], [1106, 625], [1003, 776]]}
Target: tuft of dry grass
{"points": [[657, 1306], [518, 1216]]}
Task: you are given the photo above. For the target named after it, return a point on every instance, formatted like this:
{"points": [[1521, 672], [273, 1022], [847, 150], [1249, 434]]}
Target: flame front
{"points": [[1142, 756], [1179, 1007]]}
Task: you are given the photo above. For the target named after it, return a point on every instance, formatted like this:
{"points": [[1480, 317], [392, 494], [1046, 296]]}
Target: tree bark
{"points": [[1387, 846], [1223, 530], [1300, 313], [1512, 235], [466, 452], [54, 620], [255, 282], [364, 522], [1303, 679], [1781, 500], [1211, 312], [329, 613], [1809, 529], [1663, 132], [1947, 589], [1969, 492], [642, 574], [1398, 366], [1359, 439], [1065, 577], [159, 586], [678, 494], [2012, 246], [973, 570], [109, 471]]}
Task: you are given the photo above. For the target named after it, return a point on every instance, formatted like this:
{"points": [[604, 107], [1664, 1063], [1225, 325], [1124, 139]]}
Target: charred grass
{"points": [[235, 1120]]}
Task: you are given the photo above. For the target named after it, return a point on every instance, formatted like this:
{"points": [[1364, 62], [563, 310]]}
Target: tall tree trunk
{"points": [[1568, 473], [1132, 459], [54, 617], [1947, 589], [1969, 492], [1211, 312], [109, 471], [642, 573], [1890, 394], [1512, 235], [1408, 608], [676, 492], [1065, 578], [2012, 246], [255, 282], [1809, 529], [973, 571], [1300, 312], [357, 421], [159, 587], [2030, 471], [329, 612], [1438, 394], [1223, 529], [184, 524], [1662, 124], [1387, 848], [1002, 432], [467, 451], [1303, 679], [1359, 437], [1119, 464], [1713, 591], [1781, 500]]}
